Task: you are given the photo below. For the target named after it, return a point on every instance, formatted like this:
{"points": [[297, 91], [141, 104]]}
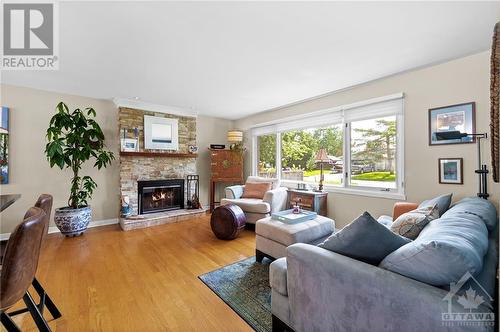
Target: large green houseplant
{"points": [[74, 138]]}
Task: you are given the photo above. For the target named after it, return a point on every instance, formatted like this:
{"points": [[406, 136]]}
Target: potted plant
{"points": [[74, 138]]}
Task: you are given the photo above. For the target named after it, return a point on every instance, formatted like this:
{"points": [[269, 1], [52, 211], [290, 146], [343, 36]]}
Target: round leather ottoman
{"points": [[227, 221]]}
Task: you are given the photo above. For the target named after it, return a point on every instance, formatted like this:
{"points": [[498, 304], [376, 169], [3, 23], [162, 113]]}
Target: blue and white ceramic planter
{"points": [[72, 222]]}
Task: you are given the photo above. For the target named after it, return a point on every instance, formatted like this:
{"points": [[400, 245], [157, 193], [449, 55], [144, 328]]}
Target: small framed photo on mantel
{"points": [[451, 171], [460, 117]]}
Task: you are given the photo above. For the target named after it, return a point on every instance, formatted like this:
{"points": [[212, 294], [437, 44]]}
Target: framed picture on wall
{"points": [[451, 170], [460, 117], [161, 133]]}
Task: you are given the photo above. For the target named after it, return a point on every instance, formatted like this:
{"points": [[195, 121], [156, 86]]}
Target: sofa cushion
{"points": [[277, 276], [444, 251], [364, 239], [443, 203], [410, 224], [256, 190], [257, 179], [481, 208], [385, 220], [304, 232], [253, 205]]}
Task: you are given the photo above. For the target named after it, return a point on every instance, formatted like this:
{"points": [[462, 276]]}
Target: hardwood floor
{"points": [[141, 280]]}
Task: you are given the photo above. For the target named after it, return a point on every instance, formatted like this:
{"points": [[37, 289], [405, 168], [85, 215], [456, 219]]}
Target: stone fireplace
{"points": [[154, 180], [160, 195]]}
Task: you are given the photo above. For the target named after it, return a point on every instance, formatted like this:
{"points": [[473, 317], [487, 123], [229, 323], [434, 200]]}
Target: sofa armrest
{"points": [[402, 207], [234, 192], [331, 292], [277, 276], [277, 199]]}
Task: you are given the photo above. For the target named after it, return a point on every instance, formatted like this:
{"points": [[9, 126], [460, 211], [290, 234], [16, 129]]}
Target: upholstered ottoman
{"points": [[273, 236]]}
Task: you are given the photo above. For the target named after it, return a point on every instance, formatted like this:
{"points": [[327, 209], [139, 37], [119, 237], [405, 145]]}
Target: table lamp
{"points": [[235, 139], [322, 158]]}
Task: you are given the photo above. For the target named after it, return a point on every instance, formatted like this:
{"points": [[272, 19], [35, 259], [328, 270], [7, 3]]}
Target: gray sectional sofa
{"points": [[314, 289]]}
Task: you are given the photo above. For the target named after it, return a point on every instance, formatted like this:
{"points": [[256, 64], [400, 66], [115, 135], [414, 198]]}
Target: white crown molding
{"points": [[54, 229], [138, 104]]}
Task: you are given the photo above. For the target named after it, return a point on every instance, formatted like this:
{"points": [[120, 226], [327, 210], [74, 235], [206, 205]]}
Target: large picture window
{"points": [[363, 142], [298, 154]]}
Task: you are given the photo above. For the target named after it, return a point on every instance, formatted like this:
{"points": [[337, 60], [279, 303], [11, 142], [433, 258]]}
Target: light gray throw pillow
{"points": [[364, 239]]}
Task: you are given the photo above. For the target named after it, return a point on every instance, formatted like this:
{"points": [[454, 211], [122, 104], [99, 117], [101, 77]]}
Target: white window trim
{"points": [[337, 115]]}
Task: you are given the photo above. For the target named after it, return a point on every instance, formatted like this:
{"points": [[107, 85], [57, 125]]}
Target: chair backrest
{"points": [[44, 202], [21, 258]]}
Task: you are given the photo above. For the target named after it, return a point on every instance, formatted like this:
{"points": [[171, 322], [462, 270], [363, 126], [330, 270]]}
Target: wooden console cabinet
{"points": [[226, 167]]}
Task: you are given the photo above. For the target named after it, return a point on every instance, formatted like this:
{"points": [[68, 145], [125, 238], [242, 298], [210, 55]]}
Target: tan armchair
{"points": [[274, 200]]}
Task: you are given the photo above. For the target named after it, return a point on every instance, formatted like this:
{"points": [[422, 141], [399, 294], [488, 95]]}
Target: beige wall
{"points": [[30, 174], [458, 81]]}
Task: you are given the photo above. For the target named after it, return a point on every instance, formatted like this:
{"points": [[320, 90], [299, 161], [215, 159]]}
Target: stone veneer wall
{"points": [[135, 168]]}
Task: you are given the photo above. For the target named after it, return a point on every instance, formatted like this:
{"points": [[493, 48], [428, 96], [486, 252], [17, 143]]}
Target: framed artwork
{"points": [[161, 133], [451, 170], [460, 117], [4, 146], [129, 144]]}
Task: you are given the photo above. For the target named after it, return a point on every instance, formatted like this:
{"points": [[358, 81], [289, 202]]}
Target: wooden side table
{"points": [[309, 200]]}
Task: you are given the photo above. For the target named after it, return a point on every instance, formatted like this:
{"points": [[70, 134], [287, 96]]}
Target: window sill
{"points": [[354, 191]]}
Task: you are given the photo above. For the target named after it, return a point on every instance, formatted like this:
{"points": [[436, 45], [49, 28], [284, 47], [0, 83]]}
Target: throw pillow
{"points": [[256, 190], [443, 203], [364, 239], [410, 224]]}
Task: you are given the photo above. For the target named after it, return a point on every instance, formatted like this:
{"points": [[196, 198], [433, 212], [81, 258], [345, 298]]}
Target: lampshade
{"points": [[322, 157], [234, 136]]}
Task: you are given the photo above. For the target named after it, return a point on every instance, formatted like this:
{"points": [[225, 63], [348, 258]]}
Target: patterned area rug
{"points": [[244, 286]]}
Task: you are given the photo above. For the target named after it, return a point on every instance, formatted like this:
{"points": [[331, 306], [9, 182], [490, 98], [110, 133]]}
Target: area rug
{"points": [[244, 286]]}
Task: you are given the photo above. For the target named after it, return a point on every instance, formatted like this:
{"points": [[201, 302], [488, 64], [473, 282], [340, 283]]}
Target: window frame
{"points": [[317, 120]]}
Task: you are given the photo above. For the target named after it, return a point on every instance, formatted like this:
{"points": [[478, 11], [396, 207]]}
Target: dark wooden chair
{"points": [[19, 267]]}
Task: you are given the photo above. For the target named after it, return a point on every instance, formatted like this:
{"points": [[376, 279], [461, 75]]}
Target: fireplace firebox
{"points": [[160, 195]]}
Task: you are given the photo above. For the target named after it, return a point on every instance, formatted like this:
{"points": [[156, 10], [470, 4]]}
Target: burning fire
{"points": [[160, 196]]}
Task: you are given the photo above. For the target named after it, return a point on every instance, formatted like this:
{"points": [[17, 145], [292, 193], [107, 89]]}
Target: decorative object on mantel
{"points": [[235, 138], [322, 158], [125, 210], [4, 146], [193, 149], [495, 104], [129, 145], [217, 146], [482, 170], [74, 138], [193, 192], [460, 117], [226, 167], [161, 133], [451, 170]]}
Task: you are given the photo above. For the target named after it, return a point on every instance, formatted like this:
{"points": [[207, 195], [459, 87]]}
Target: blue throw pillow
{"points": [[442, 202], [364, 239]]}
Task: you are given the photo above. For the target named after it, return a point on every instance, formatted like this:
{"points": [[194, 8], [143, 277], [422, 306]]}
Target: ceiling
{"points": [[234, 59]]}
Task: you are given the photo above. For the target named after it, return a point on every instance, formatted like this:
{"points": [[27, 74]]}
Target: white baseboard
{"points": [[54, 229]]}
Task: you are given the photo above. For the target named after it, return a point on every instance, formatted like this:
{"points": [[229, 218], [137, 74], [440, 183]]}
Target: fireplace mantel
{"points": [[158, 154]]}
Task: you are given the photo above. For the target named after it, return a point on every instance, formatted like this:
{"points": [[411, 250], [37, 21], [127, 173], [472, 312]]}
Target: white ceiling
{"points": [[233, 59]]}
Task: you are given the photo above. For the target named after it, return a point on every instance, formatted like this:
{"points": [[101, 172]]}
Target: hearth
{"points": [[160, 195]]}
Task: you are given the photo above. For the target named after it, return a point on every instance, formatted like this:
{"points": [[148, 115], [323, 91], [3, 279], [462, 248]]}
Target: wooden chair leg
{"points": [[8, 323], [40, 322], [45, 300]]}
